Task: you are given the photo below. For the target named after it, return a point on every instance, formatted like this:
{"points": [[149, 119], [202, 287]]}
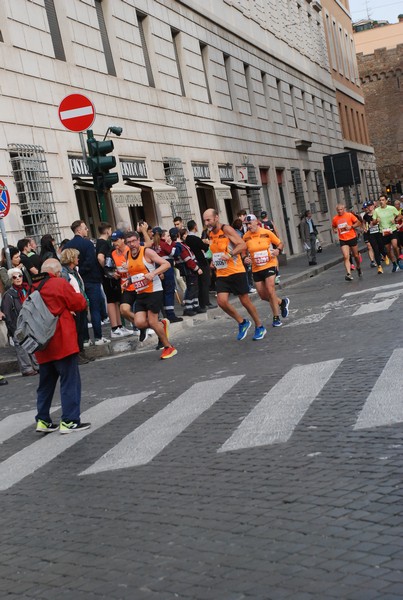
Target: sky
{"points": [[377, 9]]}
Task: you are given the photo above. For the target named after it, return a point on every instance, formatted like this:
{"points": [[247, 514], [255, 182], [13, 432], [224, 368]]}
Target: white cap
{"points": [[250, 218]]}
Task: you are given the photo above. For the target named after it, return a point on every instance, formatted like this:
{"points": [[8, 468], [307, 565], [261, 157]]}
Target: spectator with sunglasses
{"points": [[11, 305]]}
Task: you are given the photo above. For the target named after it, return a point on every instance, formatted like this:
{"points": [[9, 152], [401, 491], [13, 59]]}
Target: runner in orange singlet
{"points": [[345, 225], [144, 267], [226, 247], [263, 258]]}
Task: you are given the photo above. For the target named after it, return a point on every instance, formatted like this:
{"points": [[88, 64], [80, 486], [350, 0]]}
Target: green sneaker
{"points": [[71, 426], [45, 426]]}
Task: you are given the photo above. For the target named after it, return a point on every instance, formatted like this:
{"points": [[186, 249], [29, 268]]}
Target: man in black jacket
{"points": [[91, 275], [199, 247]]}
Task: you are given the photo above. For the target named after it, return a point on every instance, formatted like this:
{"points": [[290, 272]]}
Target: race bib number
{"points": [[261, 257], [387, 232], [139, 282], [343, 227], [220, 260], [374, 229]]}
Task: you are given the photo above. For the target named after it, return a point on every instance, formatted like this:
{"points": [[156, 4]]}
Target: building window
{"points": [[249, 88], [281, 100], [228, 72], [54, 30], [205, 61], [142, 25], [177, 49], [298, 191], [266, 91], [320, 186], [110, 66], [294, 106], [35, 196]]}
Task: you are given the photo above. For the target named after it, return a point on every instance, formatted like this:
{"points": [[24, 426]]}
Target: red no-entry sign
{"points": [[4, 200], [76, 112]]}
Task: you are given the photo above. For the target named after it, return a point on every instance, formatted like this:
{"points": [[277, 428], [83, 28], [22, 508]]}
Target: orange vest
{"points": [[259, 246], [120, 261], [220, 247], [137, 268]]}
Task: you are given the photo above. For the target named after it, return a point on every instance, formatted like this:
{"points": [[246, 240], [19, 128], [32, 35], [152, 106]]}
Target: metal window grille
{"points": [[254, 203], [141, 22], [348, 198], [298, 190], [175, 40], [175, 176], [34, 191], [54, 30], [320, 187], [110, 65]]}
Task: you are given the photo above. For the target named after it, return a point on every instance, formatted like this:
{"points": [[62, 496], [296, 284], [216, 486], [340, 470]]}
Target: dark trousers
{"points": [[70, 388], [376, 241], [191, 297], [168, 286], [204, 286], [82, 328], [95, 296]]}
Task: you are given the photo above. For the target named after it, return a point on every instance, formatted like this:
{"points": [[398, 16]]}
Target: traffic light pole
{"points": [[97, 177]]}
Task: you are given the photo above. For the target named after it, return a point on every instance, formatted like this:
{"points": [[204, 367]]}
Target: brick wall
{"points": [[381, 74]]}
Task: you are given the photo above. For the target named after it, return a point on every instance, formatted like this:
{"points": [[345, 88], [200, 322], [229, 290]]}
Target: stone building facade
{"points": [[223, 103]]}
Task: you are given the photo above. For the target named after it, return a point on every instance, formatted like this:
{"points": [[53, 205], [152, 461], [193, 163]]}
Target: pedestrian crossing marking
{"points": [[378, 288], [308, 319], [42, 451], [372, 307], [274, 419], [13, 424], [144, 443], [389, 294], [384, 404]]}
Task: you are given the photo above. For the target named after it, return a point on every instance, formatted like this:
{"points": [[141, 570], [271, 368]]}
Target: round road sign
{"points": [[76, 112], [4, 200]]}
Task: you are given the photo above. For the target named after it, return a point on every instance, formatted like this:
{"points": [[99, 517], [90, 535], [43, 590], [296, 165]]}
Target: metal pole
{"points": [[83, 148], [5, 243]]}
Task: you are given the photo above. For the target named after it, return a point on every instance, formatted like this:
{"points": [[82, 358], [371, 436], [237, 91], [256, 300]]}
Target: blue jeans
{"points": [[95, 296], [70, 388]]}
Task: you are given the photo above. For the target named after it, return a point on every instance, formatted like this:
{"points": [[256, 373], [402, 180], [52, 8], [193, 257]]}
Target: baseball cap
{"points": [[250, 218], [173, 231], [263, 214], [117, 235], [157, 230]]}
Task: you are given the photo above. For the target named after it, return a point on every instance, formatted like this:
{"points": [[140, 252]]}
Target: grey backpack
{"points": [[35, 324]]}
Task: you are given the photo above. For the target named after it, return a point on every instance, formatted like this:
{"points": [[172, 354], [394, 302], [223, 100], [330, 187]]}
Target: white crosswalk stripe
{"points": [[13, 424], [275, 417], [384, 404], [272, 421], [148, 440], [39, 453], [379, 288], [372, 307]]}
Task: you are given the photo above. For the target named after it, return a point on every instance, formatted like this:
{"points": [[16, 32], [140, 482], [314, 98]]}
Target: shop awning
{"points": [[162, 192], [124, 196], [240, 185], [83, 183], [210, 184]]}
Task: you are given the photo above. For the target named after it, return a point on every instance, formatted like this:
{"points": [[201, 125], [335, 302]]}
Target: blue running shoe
{"points": [[243, 329], [285, 303], [395, 267], [276, 322], [259, 334]]}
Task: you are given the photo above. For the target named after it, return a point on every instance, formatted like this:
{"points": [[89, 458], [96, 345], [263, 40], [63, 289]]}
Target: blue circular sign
{"points": [[4, 200]]}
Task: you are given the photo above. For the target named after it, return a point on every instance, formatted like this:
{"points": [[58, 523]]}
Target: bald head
{"points": [[211, 219], [51, 265]]}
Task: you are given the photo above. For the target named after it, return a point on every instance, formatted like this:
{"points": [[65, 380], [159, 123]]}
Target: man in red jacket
{"points": [[60, 357]]}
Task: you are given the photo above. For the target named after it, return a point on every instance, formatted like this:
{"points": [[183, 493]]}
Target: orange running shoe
{"points": [[169, 352]]}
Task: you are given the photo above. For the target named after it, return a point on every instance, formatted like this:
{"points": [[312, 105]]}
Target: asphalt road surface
{"points": [[236, 470]]}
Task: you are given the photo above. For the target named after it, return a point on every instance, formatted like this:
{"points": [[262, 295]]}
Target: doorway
{"points": [[286, 219]]}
